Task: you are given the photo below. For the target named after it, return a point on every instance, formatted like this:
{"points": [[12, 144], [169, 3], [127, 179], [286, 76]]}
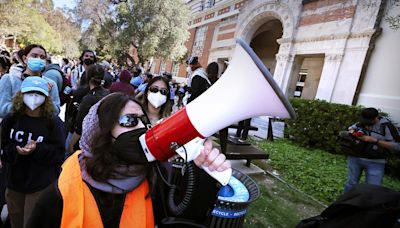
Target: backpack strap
{"points": [[393, 130]]}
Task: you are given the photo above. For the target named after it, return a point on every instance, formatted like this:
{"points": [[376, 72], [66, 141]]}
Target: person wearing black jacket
{"points": [[95, 78], [80, 88], [33, 148], [198, 81]]}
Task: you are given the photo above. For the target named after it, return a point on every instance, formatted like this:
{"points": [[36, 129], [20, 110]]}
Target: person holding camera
{"points": [[374, 141]]}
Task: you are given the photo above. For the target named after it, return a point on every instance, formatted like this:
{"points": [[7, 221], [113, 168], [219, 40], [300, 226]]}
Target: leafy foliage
{"points": [[313, 171], [155, 28], [392, 18], [34, 21], [319, 122]]}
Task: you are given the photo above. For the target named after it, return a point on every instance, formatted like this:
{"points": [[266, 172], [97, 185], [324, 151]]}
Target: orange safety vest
{"points": [[80, 208]]}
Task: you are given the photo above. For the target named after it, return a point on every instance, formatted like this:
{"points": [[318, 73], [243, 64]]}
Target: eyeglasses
{"points": [[132, 120], [156, 89]]}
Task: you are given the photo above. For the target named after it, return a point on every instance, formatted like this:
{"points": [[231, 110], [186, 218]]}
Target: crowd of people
{"points": [[56, 173]]}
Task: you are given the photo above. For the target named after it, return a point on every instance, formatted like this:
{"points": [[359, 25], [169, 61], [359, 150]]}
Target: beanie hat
{"points": [[34, 83], [192, 60], [125, 76]]}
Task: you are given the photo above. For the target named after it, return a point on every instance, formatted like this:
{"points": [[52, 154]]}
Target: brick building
{"points": [[341, 51]]}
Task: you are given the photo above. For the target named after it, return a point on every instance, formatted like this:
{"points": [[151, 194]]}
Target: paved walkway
{"points": [[261, 123]]}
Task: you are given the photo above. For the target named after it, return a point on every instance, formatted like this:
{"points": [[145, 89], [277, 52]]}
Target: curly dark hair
{"points": [[165, 108], [18, 109], [84, 52], [104, 160]]}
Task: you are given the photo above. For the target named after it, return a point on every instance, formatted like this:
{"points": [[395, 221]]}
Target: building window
{"points": [[175, 70], [202, 6], [300, 83], [162, 66], [210, 3], [199, 39]]}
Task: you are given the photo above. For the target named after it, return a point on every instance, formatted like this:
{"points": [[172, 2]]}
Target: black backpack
{"points": [[364, 206]]}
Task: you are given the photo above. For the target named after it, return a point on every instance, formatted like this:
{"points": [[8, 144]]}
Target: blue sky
{"points": [[61, 3]]}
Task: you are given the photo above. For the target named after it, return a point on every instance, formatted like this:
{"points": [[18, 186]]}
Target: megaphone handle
{"points": [[222, 177], [192, 149]]}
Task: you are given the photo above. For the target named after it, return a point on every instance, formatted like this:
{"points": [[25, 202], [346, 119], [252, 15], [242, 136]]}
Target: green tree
{"points": [[91, 15], [155, 28], [25, 19]]}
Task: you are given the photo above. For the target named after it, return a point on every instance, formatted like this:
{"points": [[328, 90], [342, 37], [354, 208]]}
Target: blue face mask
{"points": [[36, 64]]}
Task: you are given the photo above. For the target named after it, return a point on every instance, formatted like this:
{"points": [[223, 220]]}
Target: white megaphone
{"points": [[245, 90]]}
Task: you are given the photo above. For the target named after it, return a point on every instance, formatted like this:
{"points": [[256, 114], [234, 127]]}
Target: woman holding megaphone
{"points": [[109, 183]]}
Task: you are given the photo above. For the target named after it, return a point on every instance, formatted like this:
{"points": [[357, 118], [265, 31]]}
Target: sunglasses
{"points": [[132, 120], [156, 89]]}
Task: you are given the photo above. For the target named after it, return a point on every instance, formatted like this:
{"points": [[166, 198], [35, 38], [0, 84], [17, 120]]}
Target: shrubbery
{"points": [[319, 122]]}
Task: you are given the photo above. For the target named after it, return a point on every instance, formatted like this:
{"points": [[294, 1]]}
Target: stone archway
{"points": [[264, 42], [257, 13]]}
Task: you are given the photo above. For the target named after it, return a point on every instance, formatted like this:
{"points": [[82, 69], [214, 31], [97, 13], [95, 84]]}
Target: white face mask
{"points": [[33, 100], [156, 99]]}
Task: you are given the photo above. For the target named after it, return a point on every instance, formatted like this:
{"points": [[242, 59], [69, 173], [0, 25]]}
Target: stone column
{"points": [[329, 75], [284, 63]]}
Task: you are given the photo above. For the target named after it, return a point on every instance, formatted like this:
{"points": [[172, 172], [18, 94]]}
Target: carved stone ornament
{"points": [[333, 57], [285, 57]]}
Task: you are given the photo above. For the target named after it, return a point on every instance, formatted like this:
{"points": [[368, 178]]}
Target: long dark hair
{"points": [[104, 161], [165, 110], [95, 74], [212, 72]]}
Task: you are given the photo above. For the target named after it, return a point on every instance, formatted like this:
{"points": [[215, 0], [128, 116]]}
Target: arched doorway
{"points": [[264, 42]]}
